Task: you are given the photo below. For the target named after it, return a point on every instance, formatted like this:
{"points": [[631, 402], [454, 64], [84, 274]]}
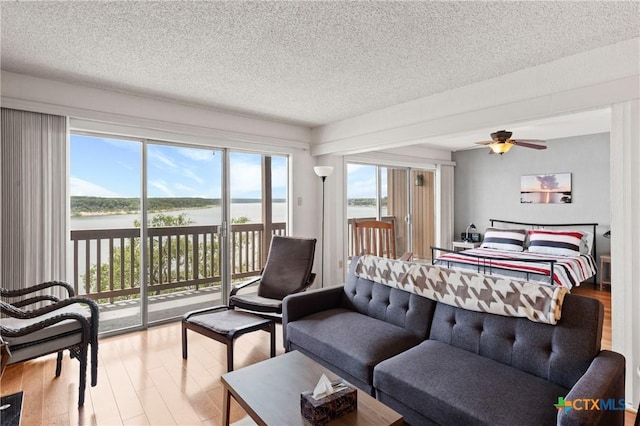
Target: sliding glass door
{"points": [[184, 212], [160, 229], [258, 210], [402, 196], [105, 185]]}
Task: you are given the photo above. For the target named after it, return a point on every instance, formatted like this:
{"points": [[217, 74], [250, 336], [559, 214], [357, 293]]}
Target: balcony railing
{"points": [[106, 262]]}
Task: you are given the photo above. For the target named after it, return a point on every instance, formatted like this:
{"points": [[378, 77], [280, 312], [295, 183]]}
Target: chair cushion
{"points": [[224, 322], [288, 267], [50, 339], [449, 385], [349, 340], [257, 303]]}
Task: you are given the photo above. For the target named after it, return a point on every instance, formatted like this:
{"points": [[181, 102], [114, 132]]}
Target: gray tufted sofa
{"points": [[437, 364]]}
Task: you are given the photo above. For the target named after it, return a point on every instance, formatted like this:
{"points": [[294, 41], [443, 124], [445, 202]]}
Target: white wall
{"points": [[488, 186], [625, 240]]}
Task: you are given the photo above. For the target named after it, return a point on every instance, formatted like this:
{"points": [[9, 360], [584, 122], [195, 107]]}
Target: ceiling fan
{"points": [[501, 142]]}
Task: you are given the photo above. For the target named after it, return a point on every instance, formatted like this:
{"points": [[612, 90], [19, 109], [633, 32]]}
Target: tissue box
{"points": [[322, 411]]}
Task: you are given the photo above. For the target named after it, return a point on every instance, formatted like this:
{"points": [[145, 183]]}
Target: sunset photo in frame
{"points": [[550, 188]]}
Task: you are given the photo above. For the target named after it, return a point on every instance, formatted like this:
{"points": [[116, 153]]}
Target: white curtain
{"points": [[444, 208], [33, 197]]}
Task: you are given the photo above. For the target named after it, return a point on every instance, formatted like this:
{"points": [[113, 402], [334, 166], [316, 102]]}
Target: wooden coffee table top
{"points": [[269, 392]]}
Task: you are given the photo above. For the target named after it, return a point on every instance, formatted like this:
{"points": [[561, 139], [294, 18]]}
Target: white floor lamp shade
{"points": [[323, 171]]}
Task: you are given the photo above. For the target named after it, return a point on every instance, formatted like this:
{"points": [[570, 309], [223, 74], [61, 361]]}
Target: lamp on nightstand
{"points": [[471, 226]]}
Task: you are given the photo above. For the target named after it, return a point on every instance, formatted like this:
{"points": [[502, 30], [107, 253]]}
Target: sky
{"points": [[104, 167], [552, 182], [361, 181]]}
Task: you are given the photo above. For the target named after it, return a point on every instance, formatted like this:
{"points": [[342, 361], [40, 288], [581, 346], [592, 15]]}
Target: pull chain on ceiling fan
{"points": [[501, 142]]}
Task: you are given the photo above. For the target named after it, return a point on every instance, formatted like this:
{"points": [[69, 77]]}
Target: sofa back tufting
{"points": [[555, 353], [392, 305]]}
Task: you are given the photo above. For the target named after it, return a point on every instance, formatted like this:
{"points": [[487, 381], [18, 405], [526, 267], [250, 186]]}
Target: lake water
{"points": [[545, 197], [206, 216]]}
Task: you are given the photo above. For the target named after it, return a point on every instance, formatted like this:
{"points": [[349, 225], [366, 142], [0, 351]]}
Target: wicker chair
{"points": [[39, 324], [287, 271]]}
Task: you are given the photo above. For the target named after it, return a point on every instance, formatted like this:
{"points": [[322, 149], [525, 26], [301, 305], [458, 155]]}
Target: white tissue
{"points": [[323, 388]]}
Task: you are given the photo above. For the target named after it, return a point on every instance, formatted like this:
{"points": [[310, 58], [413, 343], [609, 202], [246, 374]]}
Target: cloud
{"points": [[161, 159], [365, 188], [162, 186], [133, 146], [190, 174], [279, 180], [353, 167], [79, 187], [246, 179], [124, 165], [197, 154], [184, 189]]}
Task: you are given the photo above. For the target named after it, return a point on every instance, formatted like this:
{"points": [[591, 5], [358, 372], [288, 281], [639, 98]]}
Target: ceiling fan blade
{"points": [[528, 145], [484, 142], [529, 140]]}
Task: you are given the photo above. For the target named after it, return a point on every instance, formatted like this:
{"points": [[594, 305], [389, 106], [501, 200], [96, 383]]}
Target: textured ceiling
{"points": [[309, 63]]}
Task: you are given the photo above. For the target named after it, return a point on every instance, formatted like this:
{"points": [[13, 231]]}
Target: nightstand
{"points": [[464, 245], [605, 259]]}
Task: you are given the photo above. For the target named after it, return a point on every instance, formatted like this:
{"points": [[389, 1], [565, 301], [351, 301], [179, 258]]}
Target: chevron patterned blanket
{"points": [[467, 290]]}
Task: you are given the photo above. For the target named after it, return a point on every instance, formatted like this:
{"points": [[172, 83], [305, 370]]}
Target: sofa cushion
{"points": [[392, 305], [449, 385], [351, 341], [560, 353]]}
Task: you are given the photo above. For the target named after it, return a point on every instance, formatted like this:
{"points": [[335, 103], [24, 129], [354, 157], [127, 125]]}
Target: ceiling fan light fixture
{"points": [[500, 147]]}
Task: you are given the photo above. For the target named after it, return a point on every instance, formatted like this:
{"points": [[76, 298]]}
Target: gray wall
{"points": [[488, 186]]}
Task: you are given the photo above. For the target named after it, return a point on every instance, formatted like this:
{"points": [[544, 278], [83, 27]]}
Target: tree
{"points": [[170, 261]]}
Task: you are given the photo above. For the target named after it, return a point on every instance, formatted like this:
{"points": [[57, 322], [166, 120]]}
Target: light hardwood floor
{"points": [[144, 380]]}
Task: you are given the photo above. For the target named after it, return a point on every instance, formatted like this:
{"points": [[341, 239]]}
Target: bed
{"points": [[558, 254]]}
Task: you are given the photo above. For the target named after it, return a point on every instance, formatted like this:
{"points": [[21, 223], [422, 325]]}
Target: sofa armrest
{"points": [[299, 305], [603, 380]]}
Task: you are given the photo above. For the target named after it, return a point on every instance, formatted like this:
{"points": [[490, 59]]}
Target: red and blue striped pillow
{"points": [[557, 243], [504, 239]]}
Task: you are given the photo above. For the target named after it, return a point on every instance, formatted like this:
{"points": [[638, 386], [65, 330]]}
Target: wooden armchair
{"points": [[377, 238], [41, 324]]}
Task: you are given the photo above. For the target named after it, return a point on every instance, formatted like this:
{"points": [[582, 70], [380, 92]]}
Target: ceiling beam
{"points": [[576, 83]]}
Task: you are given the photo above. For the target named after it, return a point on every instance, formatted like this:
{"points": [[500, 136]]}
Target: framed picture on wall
{"points": [[552, 188]]}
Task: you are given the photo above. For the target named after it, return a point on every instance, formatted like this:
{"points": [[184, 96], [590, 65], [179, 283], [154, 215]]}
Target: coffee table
{"points": [[269, 392]]}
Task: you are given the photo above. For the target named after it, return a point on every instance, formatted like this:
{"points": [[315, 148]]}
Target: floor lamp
{"points": [[323, 172]]}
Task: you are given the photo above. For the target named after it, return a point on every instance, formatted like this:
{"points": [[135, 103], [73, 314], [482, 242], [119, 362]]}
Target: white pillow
{"points": [[586, 244]]}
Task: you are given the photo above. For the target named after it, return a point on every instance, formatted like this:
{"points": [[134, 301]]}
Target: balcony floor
{"points": [[126, 313]]}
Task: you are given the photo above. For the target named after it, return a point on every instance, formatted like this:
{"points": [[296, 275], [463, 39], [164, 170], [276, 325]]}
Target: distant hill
{"points": [[102, 205], [365, 202]]}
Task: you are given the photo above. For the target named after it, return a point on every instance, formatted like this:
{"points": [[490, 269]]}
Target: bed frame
{"points": [[485, 262]]}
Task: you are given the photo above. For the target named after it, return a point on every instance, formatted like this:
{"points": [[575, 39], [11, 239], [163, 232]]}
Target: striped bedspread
{"points": [[567, 271]]}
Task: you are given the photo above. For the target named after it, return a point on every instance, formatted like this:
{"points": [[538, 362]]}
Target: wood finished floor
{"points": [[143, 380]]}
